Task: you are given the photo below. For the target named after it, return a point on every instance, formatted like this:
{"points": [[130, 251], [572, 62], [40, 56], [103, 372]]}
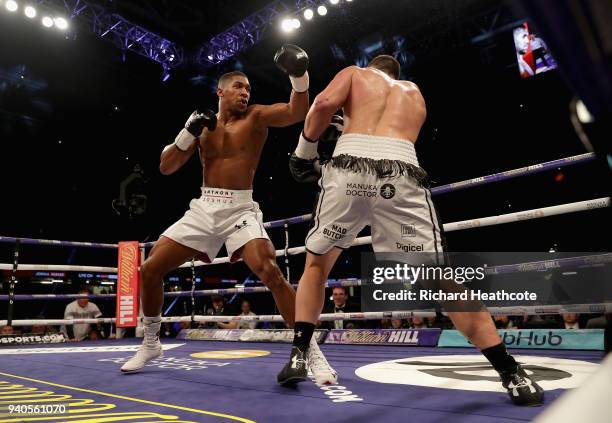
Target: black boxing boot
{"points": [[523, 390], [296, 370]]}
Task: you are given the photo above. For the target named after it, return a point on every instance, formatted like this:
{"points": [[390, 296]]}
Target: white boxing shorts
{"points": [[219, 216], [374, 181]]}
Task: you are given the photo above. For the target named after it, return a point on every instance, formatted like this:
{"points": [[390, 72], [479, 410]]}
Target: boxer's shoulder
{"points": [[255, 109], [411, 85]]}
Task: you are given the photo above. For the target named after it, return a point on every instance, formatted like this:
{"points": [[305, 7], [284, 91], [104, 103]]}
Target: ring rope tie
{"points": [[12, 284], [287, 268], [193, 281]]}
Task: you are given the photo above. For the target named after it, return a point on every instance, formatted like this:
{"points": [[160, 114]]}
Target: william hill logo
{"points": [[379, 337], [404, 337]]}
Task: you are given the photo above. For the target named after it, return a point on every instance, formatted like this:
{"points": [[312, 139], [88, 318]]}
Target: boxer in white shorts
{"points": [[229, 144], [393, 200], [219, 216], [374, 178]]}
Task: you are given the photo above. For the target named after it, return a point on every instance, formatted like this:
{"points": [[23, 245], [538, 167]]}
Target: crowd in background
{"points": [[339, 302]]}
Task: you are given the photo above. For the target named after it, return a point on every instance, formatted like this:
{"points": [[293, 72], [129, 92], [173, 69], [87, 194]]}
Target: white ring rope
{"points": [[374, 315], [596, 203], [487, 179], [62, 268]]}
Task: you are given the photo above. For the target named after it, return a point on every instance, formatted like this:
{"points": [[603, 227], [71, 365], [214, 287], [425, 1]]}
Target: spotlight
{"points": [[296, 23], [47, 22], [287, 25], [11, 5], [61, 23], [334, 1], [584, 115], [308, 14], [322, 10], [30, 12]]}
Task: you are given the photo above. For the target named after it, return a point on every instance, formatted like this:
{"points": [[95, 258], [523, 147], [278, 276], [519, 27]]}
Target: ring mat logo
{"points": [[453, 371], [473, 372]]}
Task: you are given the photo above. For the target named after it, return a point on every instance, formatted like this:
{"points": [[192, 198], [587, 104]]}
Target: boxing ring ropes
{"points": [[596, 203]]}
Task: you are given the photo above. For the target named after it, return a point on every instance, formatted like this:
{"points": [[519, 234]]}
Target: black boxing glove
{"points": [[334, 130], [293, 60], [303, 170], [194, 126]]}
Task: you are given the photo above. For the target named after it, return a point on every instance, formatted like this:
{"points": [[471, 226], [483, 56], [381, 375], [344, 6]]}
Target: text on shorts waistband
{"points": [[223, 194]]}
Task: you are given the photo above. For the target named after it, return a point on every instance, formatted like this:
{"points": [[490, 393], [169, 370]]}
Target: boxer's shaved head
{"points": [[387, 64]]}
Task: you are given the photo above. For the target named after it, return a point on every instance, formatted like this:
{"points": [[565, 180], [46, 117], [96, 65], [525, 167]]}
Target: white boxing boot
{"points": [[150, 349], [322, 372]]}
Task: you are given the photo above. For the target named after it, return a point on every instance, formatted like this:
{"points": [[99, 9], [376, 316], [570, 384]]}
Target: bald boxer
{"points": [[382, 120], [229, 145]]}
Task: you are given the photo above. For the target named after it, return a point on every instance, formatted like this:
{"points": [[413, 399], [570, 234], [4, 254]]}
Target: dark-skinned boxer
{"points": [[229, 145]]}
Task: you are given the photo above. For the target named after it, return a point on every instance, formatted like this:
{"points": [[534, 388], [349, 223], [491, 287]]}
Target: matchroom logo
{"points": [[472, 372]]}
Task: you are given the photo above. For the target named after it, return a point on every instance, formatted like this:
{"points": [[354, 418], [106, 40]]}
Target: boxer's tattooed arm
{"points": [[328, 102]]}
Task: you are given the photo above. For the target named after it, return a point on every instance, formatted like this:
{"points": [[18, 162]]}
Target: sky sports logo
{"points": [[32, 339]]}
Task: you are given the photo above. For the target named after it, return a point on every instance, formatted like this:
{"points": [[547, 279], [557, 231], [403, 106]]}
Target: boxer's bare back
{"points": [[375, 104]]}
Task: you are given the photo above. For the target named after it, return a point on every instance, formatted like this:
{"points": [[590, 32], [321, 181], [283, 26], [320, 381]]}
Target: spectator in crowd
{"points": [[39, 330], [245, 310], [81, 308], [385, 324], [44, 329], [599, 322], [7, 330], [570, 321], [539, 322], [340, 304], [504, 322], [397, 324], [439, 322], [218, 309], [418, 323]]}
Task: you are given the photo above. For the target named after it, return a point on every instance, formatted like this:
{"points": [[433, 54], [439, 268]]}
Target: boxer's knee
{"points": [[149, 274], [268, 271], [314, 273]]}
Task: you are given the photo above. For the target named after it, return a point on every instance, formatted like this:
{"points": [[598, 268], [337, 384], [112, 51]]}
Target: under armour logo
{"points": [[522, 383], [298, 334], [297, 363], [241, 225]]}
